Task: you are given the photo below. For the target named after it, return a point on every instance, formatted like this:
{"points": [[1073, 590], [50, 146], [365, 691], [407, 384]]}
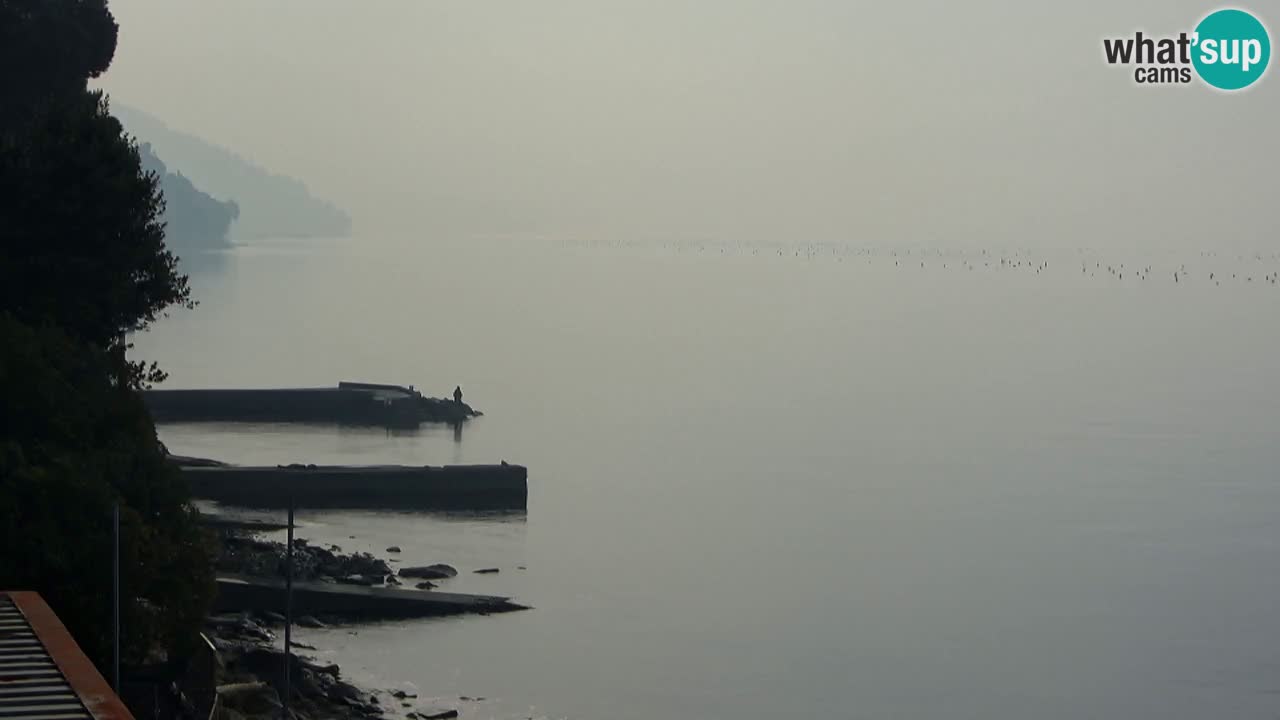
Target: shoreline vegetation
{"points": [[86, 262], [194, 220], [268, 204]]}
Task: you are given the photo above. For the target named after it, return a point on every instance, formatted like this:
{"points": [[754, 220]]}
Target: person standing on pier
{"points": [[457, 394]]}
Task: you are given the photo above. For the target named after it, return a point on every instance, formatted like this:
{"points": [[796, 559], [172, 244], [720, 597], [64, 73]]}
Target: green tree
{"points": [[73, 440], [50, 48], [83, 262], [83, 243]]}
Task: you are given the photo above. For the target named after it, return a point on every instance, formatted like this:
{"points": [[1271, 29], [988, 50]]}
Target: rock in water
{"points": [[486, 571], [425, 585], [357, 580], [240, 627], [394, 548], [430, 572]]}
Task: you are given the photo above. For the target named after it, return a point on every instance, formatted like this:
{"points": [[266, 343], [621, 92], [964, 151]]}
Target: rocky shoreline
{"points": [[244, 554], [250, 648], [249, 682]]}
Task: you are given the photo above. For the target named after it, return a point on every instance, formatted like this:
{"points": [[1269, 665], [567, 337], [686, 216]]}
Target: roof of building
{"points": [[43, 673]]}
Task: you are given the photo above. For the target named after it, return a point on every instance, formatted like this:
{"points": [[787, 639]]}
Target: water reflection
{"points": [[494, 515], [220, 427]]}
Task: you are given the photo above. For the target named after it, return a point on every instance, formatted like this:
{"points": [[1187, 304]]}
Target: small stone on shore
{"points": [[402, 694]]}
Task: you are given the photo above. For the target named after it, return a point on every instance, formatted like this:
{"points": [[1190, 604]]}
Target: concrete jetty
{"points": [[470, 487], [349, 402], [238, 593]]}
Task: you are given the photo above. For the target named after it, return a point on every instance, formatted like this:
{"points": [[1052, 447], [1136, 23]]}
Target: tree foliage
{"points": [[193, 219], [83, 262], [83, 240], [50, 48], [73, 440]]}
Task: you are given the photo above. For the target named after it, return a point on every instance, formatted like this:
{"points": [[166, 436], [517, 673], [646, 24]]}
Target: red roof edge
{"points": [[88, 684]]}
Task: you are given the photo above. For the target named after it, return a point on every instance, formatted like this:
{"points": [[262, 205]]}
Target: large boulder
{"points": [[357, 564], [430, 572], [251, 699]]}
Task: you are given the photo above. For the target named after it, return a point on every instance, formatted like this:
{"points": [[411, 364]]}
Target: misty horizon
{"points": [[934, 124]]}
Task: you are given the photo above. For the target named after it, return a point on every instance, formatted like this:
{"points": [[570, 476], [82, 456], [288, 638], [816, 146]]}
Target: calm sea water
{"points": [[794, 480]]}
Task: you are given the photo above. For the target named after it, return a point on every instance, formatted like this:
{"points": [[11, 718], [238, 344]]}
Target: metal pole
{"points": [[115, 596], [288, 609]]}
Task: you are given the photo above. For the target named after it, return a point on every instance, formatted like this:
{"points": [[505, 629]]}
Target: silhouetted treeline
{"points": [[270, 205], [193, 219]]}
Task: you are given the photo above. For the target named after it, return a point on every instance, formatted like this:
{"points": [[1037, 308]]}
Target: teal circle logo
{"points": [[1231, 49]]}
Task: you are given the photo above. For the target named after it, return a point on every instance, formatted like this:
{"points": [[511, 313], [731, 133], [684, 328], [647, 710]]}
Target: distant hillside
{"points": [[194, 219], [270, 205]]}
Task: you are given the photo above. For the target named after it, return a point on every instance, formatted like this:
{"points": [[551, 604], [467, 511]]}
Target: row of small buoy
{"points": [[972, 260]]}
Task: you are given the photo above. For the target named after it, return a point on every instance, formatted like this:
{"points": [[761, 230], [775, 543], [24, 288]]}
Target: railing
{"points": [[200, 680]]}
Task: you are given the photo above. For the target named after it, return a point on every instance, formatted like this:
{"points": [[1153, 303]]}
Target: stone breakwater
{"points": [[346, 403]]}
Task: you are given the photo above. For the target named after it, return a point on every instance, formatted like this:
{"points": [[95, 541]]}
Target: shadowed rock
{"points": [[430, 572]]}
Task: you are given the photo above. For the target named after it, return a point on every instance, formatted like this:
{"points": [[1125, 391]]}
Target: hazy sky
{"points": [[927, 121]]}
